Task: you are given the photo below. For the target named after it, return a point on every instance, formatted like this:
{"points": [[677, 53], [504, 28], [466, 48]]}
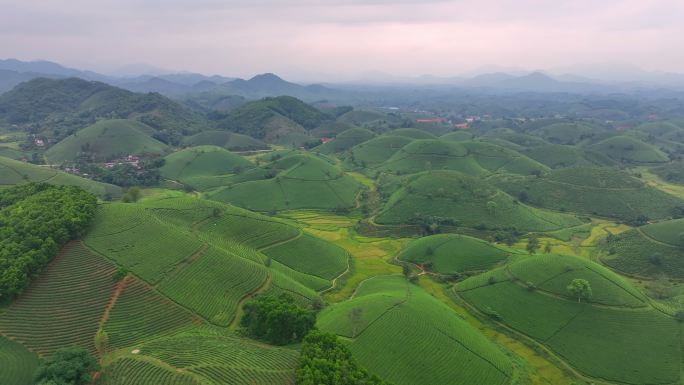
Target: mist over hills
{"points": [[177, 84]]}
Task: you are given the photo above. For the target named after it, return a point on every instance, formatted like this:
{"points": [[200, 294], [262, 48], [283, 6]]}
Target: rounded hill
{"points": [[226, 139], [452, 197], [452, 253], [604, 192], [397, 323], [627, 149], [346, 140], [105, 140]]}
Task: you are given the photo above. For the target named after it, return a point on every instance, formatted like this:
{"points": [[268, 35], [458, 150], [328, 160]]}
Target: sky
{"points": [[346, 38]]}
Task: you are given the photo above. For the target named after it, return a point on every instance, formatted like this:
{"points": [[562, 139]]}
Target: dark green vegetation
{"points": [[672, 172], [37, 220], [327, 361], [593, 191], [58, 108], [277, 320], [69, 366]]}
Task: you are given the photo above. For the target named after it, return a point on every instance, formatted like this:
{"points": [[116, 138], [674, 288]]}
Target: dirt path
{"points": [[238, 310], [334, 281], [112, 300]]}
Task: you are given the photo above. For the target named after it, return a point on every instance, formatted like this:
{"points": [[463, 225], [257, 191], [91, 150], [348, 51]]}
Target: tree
{"points": [[67, 366], [532, 244], [491, 207], [580, 288], [324, 360], [547, 248], [277, 320]]}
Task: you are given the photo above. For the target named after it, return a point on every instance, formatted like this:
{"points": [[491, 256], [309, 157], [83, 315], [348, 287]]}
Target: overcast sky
{"points": [[344, 37]]}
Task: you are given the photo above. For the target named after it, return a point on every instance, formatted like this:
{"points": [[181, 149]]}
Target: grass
{"points": [[451, 253], [63, 307], [602, 192], [17, 363], [449, 195], [15, 172], [672, 172], [105, 140], [404, 330], [610, 321]]}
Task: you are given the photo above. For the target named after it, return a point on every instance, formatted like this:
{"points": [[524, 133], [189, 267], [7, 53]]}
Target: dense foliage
{"points": [[325, 360], [277, 320], [68, 366], [36, 220]]}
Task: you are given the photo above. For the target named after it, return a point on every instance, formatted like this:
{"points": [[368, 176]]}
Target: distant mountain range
{"points": [[180, 85]]}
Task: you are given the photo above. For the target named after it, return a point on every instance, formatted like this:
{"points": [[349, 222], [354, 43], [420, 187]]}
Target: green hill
{"points": [[458, 136], [412, 133], [530, 296], [473, 158], [627, 149], [295, 181], [452, 253], [57, 108], [558, 156], [565, 133], [452, 197], [226, 139], [376, 150], [346, 140], [15, 172], [203, 167], [106, 140], [274, 119], [672, 172], [401, 331], [649, 250], [366, 118], [604, 192]]}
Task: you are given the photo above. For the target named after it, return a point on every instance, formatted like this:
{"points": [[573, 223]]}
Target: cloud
{"points": [[240, 37]]}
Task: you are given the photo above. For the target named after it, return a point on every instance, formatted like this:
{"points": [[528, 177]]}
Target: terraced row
{"points": [[64, 306]]}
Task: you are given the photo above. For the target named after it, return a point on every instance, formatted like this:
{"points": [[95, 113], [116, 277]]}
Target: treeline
{"points": [[36, 220], [324, 360]]}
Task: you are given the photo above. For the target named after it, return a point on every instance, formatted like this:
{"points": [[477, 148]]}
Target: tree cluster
{"points": [[36, 220], [67, 366], [324, 360], [277, 320]]}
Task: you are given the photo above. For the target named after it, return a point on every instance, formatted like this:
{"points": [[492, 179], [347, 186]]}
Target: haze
{"points": [[341, 39]]}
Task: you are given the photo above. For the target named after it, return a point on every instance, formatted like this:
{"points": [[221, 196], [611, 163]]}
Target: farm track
{"points": [[334, 281], [112, 301], [238, 309]]}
